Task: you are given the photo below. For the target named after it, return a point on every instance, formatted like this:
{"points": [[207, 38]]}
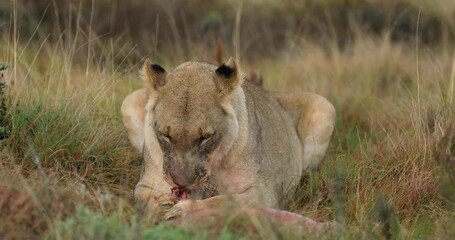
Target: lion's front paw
{"points": [[181, 209], [158, 206], [148, 201], [164, 201]]}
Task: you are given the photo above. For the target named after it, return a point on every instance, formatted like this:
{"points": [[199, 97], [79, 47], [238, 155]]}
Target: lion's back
{"points": [[274, 136]]}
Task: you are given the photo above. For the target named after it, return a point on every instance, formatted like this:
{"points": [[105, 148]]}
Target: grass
{"points": [[68, 170]]}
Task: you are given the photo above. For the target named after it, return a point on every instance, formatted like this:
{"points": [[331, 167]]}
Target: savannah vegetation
{"points": [[67, 170]]}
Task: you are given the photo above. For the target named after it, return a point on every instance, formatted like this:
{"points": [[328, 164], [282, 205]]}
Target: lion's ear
{"points": [[228, 76], [153, 74]]}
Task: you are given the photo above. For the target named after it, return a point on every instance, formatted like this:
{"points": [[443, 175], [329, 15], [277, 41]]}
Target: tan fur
{"points": [[202, 128]]}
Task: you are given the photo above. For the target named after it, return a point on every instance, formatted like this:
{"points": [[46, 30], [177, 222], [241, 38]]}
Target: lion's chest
{"points": [[234, 179]]}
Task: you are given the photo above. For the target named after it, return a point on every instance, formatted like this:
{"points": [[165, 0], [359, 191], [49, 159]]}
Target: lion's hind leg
{"points": [[133, 116], [314, 117]]}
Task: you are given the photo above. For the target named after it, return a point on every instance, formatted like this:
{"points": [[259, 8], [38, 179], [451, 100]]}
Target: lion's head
{"points": [[191, 111]]}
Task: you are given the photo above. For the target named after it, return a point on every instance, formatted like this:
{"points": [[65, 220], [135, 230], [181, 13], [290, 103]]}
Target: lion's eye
{"points": [[165, 137], [205, 138]]}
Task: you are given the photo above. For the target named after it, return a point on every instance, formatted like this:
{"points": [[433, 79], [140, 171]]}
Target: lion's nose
{"points": [[185, 170], [182, 179], [188, 177]]}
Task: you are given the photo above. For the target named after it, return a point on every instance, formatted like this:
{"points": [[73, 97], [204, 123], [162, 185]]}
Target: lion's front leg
{"points": [[208, 207], [152, 193], [184, 207], [246, 199]]}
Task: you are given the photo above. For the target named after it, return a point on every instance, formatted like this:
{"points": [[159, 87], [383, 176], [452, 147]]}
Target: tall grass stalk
{"points": [[452, 82]]}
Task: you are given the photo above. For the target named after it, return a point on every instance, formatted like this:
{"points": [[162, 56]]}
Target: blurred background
{"points": [[184, 29]]}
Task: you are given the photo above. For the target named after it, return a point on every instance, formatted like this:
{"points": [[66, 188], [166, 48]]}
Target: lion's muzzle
{"points": [[186, 174]]}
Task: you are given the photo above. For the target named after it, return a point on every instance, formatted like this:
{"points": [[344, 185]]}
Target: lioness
{"points": [[203, 128]]}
